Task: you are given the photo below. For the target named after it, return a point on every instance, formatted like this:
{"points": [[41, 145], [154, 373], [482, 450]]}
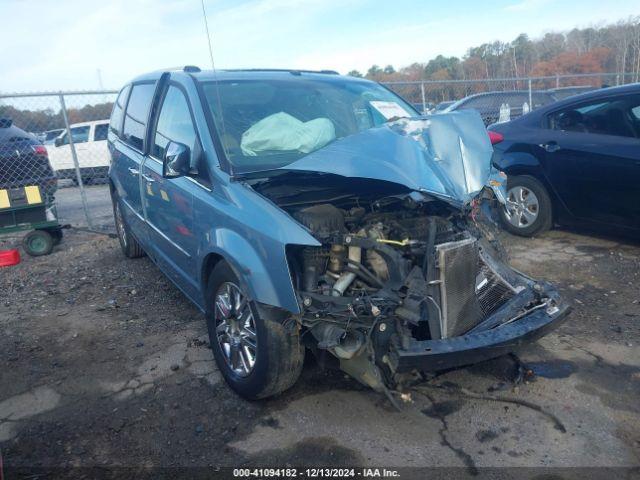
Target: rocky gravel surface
{"points": [[105, 363]]}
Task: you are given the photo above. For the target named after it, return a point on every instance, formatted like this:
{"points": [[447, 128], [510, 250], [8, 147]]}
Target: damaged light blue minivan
{"points": [[310, 211]]}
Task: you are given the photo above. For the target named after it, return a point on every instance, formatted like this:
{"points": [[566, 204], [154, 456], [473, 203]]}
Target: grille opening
{"points": [[492, 292]]}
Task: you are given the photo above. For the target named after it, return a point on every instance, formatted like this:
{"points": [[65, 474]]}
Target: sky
{"points": [[87, 44]]}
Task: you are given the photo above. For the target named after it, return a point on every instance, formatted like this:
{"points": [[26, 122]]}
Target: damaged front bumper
{"points": [[497, 335]]}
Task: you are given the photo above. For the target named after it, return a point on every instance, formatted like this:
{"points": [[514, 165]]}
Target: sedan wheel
{"points": [[522, 207], [235, 329], [528, 210]]}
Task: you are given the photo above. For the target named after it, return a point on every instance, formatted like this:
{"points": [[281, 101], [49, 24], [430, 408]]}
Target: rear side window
{"points": [[605, 117], [175, 125], [135, 118], [101, 132], [118, 111]]}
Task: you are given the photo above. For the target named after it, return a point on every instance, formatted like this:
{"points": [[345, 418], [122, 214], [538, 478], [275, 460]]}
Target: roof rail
{"points": [[293, 71]]}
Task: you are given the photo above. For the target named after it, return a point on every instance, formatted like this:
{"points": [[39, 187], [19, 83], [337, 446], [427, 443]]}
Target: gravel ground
{"points": [[105, 363]]}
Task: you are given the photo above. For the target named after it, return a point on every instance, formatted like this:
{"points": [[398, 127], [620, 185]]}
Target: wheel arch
{"points": [[209, 262], [262, 270]]}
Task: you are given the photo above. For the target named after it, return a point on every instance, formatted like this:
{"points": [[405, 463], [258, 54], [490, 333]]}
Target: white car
{"points": [[90, 142]]}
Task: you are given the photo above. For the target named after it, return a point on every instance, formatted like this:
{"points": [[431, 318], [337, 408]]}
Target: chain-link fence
{"points": [[502, 99], [58, 141]]}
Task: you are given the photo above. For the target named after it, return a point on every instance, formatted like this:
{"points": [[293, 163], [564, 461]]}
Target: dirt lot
{"points": [[105, 363]]}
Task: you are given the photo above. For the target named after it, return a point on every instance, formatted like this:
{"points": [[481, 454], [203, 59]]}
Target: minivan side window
{"points": [[100, 132], [118, 111], [603, 116], [135, 118], [175, 125]]}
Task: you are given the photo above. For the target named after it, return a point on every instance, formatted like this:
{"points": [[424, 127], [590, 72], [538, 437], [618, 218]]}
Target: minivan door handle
{"points": [[148, 178], [133, 171], [551, 146]]}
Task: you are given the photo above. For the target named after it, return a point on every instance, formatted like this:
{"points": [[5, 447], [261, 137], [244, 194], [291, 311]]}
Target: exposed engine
{"points": [[395, 269], [392, 272]]}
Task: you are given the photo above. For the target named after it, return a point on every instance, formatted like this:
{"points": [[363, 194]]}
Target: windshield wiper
{"points": [[270, 172]]}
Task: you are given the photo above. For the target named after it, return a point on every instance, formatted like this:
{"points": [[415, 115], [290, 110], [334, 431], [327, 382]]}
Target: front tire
{"points": [[528, 211], [258, 356]]}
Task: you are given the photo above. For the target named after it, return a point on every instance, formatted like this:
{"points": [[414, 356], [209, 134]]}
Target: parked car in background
{"points": [[24, 161], [424, 109], [305, 210], [442, 106], [49, 137], [90, 141], [488, 104], [574, 162], [561, 93]]}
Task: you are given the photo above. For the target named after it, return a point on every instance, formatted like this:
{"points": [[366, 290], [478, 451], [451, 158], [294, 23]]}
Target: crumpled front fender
{"points": [[261, 267]]}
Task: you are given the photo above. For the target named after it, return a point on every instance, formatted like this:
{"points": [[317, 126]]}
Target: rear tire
{"points": [[278, 356], [528, 211], [129, 245]]}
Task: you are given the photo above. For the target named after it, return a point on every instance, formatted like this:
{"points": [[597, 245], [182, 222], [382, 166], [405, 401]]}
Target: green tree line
{"points": [[48, 119]]}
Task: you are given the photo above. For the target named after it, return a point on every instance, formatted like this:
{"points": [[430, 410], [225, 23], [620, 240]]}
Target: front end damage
{"points": [[409, 275], [412, 287]]}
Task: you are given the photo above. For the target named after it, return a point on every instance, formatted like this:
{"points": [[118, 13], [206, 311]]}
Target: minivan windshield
{"points": [[267, 124]]}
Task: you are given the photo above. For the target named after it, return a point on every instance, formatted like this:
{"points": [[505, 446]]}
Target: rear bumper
{"points": [[433, 355]]}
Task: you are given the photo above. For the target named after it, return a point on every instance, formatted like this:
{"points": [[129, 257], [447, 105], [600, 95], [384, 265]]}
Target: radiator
{"points": [[457, 263], [470, 291]]}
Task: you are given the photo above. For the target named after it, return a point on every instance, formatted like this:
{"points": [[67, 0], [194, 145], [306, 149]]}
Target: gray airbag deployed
{"points": [[282, 132]]}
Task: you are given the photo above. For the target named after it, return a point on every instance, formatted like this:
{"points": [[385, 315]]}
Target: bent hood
{"points": [[447, 155]]}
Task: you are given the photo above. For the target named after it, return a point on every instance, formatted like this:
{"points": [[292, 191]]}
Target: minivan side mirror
{"points": [[58, 141], [177, 160]]}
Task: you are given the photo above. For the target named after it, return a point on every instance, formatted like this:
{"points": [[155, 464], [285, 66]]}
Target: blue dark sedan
{"points": [[574, 162]]}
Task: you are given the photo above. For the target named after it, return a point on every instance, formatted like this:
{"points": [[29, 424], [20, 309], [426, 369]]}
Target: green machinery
{"points": [[25, 208]]}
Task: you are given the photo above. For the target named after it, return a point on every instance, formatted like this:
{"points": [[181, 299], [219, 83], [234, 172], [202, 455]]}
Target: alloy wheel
{"points": [[522, 207], [235, 329]]}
